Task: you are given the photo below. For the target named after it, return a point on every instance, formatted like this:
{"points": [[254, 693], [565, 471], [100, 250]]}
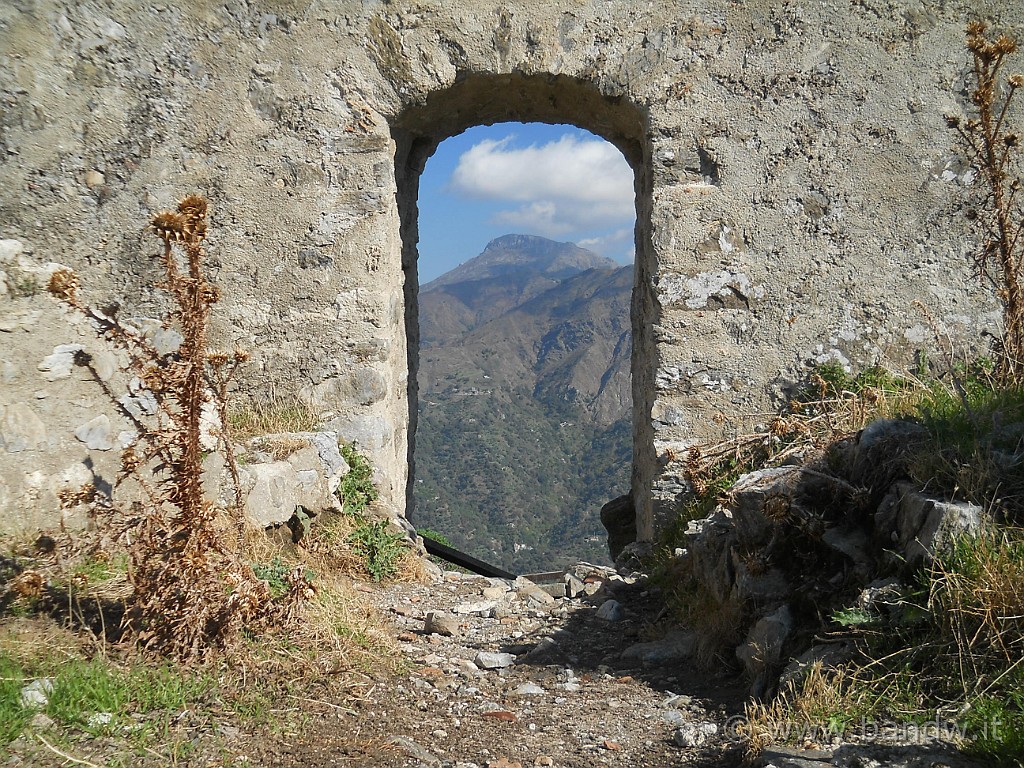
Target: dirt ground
{"points": [[562, 696]]}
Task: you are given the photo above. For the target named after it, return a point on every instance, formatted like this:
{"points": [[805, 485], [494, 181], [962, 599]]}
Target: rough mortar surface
{"points": [[797, 189]]}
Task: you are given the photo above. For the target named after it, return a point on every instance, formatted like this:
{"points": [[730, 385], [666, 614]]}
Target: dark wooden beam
{"points": [[468, 562]]}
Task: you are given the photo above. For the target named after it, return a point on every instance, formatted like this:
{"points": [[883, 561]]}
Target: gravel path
{"points": [[504, 675]]}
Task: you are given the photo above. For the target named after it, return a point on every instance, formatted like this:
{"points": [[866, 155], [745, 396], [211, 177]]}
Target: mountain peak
{"points": [[515, 253]]}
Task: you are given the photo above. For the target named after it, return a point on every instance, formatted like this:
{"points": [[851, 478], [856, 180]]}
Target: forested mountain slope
{"points": [[524, 402]]}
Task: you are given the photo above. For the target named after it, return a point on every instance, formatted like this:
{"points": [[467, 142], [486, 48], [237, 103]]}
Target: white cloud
{"points": [[569, 185], [618, 245]]}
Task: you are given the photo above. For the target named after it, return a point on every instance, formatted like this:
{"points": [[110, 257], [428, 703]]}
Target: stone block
{"points": [[765, 642], [21, 429], [921, 526]]}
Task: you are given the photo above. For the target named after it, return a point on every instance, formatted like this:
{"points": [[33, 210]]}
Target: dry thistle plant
{"points": [[995, 150], [191, 590]]}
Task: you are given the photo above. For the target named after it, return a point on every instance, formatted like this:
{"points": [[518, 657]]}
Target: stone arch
{"points": [[485, 99]]}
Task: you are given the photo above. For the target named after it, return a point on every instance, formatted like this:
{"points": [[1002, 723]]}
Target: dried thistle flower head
{"points": [[241, 356], [1004, 45], [154, 378], [130, 461], [193, 207], [72, 497], [170, 226], [27, 584], [64, 285], [217, 359], [1016, 81]]}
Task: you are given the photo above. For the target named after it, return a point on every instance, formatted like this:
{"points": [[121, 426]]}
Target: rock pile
{"points": [[792, 543]]}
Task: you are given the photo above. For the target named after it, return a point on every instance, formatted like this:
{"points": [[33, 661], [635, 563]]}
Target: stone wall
{"points": [[797, 189]]}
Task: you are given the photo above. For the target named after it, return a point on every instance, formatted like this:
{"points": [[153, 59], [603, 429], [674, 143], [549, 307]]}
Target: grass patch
{"points": [[13, 716], [379, 546]]}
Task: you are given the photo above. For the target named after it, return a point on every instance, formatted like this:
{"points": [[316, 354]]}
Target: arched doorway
{"points": [[485, 99]]}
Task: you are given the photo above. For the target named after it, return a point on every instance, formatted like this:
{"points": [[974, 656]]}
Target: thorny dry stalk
{"points": [[191, 590], [995, 149]]}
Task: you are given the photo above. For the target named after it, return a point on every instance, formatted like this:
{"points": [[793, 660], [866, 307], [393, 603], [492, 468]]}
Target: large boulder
{"points": [[618, 517], [920, 526]]}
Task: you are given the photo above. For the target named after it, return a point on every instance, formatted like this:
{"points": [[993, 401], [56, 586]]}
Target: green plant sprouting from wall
{"points": [[356, 491], [994, 149]]}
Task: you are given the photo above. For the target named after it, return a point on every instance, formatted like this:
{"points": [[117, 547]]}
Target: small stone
{"points": [[467, 668], [610, 610], [503, 762], [94, 178], [493, 593], [543, 760], [21, 429], [673, 717], [42, 722], [10, 250], [573, 586], [490, 660], [439, 624], [408, 611], [612, 745], [528, 689], [58, 364], [96, 434], [406, 637], [482, 609], [694, 734], [555, 590]]}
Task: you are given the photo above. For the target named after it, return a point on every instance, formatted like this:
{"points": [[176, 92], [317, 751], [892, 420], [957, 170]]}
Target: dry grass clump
{"points": [[267, 417], [976, 601], [809, 710], [280, 447]]}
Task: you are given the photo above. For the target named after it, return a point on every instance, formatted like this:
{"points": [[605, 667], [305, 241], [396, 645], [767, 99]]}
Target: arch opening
{"points": [[481, 99]]}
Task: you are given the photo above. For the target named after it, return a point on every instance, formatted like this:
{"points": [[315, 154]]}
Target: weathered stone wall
{"points": [[797, 189]]}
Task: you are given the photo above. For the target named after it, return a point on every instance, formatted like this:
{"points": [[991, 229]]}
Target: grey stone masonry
{"points": [[797, 188]]}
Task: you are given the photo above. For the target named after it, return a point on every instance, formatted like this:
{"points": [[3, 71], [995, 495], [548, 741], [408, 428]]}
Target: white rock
{"points": [[610, 610], [96, 433], [484, 609], [36, 695], [489, 660], [695, 734], [528, 689], [59, 363], [10, 250]]}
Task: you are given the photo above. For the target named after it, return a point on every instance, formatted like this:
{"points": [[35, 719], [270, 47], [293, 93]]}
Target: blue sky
{"points": [[557, 181]]}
